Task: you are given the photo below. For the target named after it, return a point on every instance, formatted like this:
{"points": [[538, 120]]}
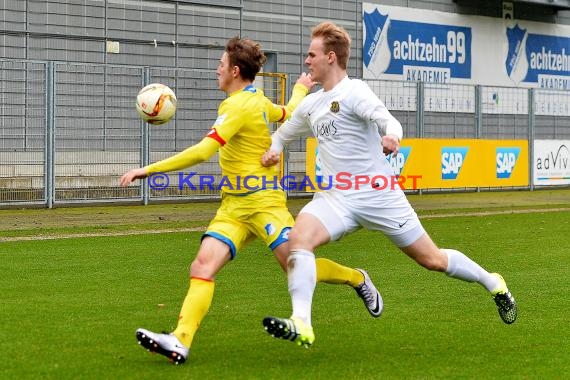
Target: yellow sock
{"points": [[333, 273], [194, 309]]}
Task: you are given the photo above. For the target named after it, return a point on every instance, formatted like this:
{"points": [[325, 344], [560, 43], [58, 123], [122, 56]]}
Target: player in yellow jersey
{"points": [[250, 209]]}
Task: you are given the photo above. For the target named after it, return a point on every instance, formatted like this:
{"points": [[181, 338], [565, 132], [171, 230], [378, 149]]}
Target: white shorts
{"points": [[385, 211]]}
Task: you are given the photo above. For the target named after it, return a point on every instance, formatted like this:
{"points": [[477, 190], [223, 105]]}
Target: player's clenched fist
{"points": [[270, 158]]}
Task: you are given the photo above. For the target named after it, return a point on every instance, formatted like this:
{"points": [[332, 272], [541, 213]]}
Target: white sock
{"points": [[463, 268], [302, 279]]}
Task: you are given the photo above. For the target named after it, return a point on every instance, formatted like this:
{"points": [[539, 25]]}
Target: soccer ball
{"points": [[156, 103]]}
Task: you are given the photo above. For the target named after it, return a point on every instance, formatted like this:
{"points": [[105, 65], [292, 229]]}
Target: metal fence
{"points": [[70, 130]]}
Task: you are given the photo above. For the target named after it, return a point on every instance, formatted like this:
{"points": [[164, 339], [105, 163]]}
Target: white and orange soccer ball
{"points": [[156, 103]]}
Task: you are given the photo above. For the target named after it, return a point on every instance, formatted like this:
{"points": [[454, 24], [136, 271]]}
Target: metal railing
{"points": [[69, 130]]}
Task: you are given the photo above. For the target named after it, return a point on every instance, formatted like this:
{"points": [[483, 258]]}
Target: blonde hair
{"points": [[335, 39]]}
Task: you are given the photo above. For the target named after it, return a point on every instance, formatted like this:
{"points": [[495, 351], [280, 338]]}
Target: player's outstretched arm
{"points": [[191, 156], [132, 175]]}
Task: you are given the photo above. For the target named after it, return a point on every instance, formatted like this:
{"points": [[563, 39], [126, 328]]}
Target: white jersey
{"points": [[347, 122]]}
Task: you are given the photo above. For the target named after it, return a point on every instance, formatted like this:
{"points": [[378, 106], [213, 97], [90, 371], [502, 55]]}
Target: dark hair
{"points": [[247, 55]]}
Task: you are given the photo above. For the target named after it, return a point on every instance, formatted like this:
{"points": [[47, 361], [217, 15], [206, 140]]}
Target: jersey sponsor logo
{"points": [[506, 159], [326, 129], [399, 161], [452, 159], [220, 119], [335, 106], [270, 229]]}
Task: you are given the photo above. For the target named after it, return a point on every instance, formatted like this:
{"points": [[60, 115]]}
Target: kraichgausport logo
{"points": [[452, 159], [342, 181], [506, 159]]}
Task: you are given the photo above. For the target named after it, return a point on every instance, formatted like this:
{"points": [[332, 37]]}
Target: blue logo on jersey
{"points": [[251, 89], [452, 159], [400, 160], [269, 229], [506, 161]]}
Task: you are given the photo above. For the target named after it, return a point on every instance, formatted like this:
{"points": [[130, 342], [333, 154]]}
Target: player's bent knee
{"points": [[196, 267], [202, 268], [307, 238], [298, 237]]}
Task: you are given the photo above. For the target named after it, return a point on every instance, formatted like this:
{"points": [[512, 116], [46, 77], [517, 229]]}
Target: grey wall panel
{"points": [[146, 20], [220, 3], [13, 15], [64, 49], [12, 46], [434, 5], [549, 127], [208, 25], [276, 7], [563, 17], [144, 53], [455, 125], [277, 32], [70, 17], [22, 105], [497, 126], [199, 57]]}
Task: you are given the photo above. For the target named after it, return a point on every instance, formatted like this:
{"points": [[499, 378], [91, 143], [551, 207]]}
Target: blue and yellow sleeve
{"points": [[282, 113]]}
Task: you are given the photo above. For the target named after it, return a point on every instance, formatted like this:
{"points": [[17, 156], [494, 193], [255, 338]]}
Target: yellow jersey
{"points": [[241, 133]]}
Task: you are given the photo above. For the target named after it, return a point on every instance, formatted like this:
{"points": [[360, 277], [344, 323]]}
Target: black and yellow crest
{"points": [[335, 107]]}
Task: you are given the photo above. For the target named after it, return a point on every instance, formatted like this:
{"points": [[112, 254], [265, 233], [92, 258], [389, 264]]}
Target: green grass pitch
{"points": [[70, 306]]}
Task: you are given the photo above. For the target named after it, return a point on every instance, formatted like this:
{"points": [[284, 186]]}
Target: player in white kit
{"points": [[353, 128]]}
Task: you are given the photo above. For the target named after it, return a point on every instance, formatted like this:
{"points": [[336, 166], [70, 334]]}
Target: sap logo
{"points": [[400, 159], [506, 160], [452, 159]]}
